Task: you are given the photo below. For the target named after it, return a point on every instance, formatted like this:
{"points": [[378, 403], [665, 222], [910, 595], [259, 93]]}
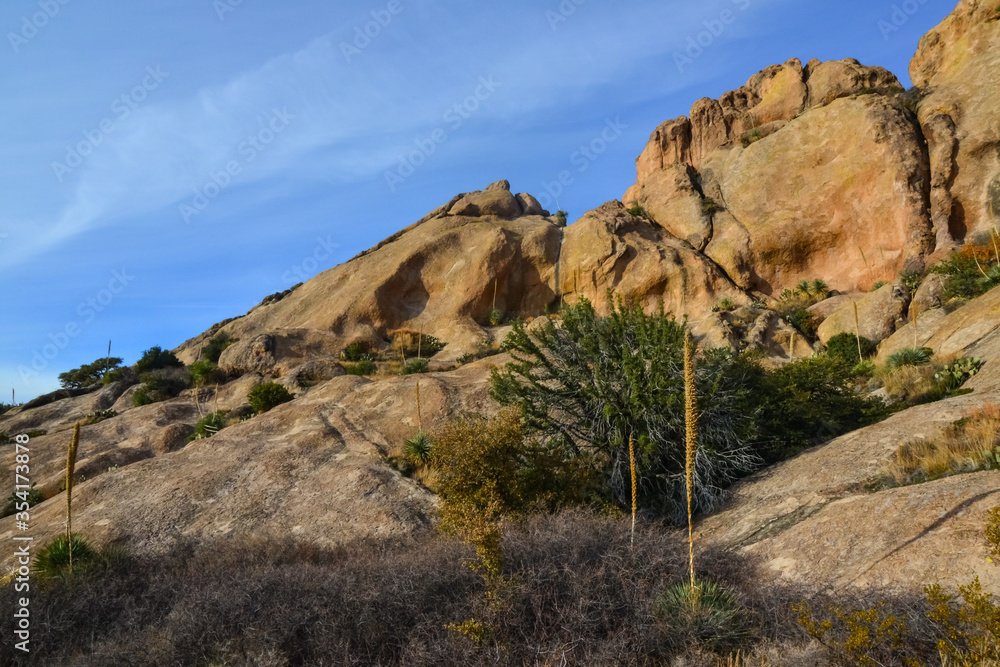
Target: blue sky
{"points": [[166, 165]]}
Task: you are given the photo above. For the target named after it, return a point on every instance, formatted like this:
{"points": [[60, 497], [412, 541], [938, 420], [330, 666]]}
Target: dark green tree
{"points": [[156, 358], [591, 382], [88, 374]]}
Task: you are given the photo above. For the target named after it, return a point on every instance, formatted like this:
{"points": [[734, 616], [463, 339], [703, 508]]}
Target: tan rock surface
{"points": [[312, 468], [812, 196], [956, 65], [608, 248], [880, 313]]}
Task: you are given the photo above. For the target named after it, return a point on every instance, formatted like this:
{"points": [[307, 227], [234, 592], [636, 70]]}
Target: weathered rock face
{"points": [[879, 314], [608, 248], [776, 93], [437, 276], [956, 67], [786, 178]]}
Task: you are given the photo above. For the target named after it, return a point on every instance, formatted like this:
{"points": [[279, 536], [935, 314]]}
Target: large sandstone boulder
{"points": [[437, 276], [610, 249], [813, 199], [879, 314], [776, 93], [786, 178], [956, 67]]}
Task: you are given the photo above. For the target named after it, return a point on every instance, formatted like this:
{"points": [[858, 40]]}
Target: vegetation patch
{"points": [[268, 395], [216, 345], [850, 348], [640, 212], [161, 385], [364, 366], [209, 425], [96, 417], [19, 501], [90, 374], [970, 444]]}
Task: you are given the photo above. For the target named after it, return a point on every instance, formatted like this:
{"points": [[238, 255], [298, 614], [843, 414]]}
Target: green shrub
{"points": [[156, 358], [88, 374], [638, 211], [495, 317], [710, 616], [161, 385], [267, 395], [99, 416], [845, 346], [805, 322], [594, 381], [365, 366], [968, 273], [724, 306], [216, 345], [356, 352], [910, 356], [807, 402], [4, 407], [561, 216], [710, 207], [32, 497], [878, 285], [209, 425], [35, 433], [205, 372], [124, 374], [414, 366]]}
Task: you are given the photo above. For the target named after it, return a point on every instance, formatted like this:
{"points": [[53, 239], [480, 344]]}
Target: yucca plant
{"points": [[713, 619], [691, 439], [70, 469], [635, 488], [56, 558], [819, 287], [910, 356], [418, 448]]}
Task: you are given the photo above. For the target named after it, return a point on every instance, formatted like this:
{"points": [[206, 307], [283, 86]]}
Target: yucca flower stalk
{"points": [[857, 332], [691, 420], [635, 494], [70, 468]]}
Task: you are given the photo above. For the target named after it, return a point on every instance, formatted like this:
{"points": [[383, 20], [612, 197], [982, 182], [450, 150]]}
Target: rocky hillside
{"points": [[825, 171]]}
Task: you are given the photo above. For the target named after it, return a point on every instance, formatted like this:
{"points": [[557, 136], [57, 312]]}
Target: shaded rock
{"points": [[255, 354], [670, 198], [530, 206], [880, 313], [928, 295], [171, 438], [955, 67]]}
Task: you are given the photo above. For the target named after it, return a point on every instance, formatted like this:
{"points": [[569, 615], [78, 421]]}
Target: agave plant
{"points": [[910, 356], [418, 448]]}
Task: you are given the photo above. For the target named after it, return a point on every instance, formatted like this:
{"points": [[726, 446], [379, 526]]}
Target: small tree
{"points": [[88, 374], [592, 382], [156, 358]]}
